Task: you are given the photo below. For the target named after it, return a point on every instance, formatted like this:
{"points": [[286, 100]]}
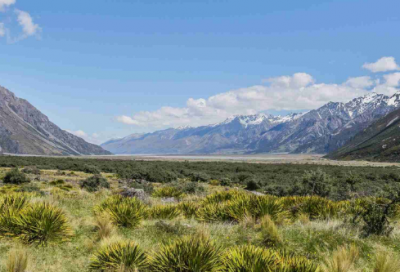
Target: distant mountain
{"points": [[318, 131], [379, 142], [25, 130]]}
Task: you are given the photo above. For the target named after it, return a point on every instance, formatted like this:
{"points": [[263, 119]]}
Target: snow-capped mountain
{"points": [[317, 131]]}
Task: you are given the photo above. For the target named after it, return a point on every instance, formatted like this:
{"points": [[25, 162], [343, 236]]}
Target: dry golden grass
{"points": [[17, 260], [386, 262], [342, 260]]}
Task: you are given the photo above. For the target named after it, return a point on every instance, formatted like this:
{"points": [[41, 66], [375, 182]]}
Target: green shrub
{"points": [[15, 177], [94, 183], [35, 223], [164, 212], [125, 212], [316, 183], [268, 205], [195, 253], [90, 169], [168, 191], [57, 182], [298, 264], [31, 170], [213, 212], [188, 208], [250, 258], [119, 256], [252, 185]]}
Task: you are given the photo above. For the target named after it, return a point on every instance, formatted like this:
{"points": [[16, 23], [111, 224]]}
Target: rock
{"points": [[256, 193], [132, 192], [169, 200]]}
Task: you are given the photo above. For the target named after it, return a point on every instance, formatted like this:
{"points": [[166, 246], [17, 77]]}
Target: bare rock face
{"points": [[318, 131], [25, 130]]}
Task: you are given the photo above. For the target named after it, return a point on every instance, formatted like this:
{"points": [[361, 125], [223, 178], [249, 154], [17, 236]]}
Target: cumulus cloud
{"points": [[6, 3], [360, 82], [297, 92], [2, 30], [25, 20], [92, 138], [382, 65]]}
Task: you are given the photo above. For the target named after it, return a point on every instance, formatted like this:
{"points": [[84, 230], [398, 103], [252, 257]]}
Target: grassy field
{"points": [[66, 220]]}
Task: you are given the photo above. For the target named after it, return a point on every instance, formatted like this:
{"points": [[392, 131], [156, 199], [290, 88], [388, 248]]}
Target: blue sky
{"points": [[111, 68]]}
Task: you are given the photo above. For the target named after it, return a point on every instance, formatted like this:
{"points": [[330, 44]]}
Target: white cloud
{"points": [[296, 92], [127, 120], [360, 82], [93, 138], [2, 30], [26, 22], [6, 3], [382, 65]]}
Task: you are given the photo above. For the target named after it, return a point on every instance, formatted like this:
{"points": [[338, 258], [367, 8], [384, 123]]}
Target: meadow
{"points": [[104, 215]]}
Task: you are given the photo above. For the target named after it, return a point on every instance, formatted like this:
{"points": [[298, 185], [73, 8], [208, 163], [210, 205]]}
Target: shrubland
{"points": [[195, 216]]}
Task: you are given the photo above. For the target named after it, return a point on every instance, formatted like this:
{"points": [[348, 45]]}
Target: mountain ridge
{"points": [[25, 130], [317, 131]]}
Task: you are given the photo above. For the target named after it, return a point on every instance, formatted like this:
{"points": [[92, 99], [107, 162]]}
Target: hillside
{"points": [[378, 142], [25, 130], [318, 131]]}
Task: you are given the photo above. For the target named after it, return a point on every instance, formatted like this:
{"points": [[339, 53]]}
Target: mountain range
{"points": [[25, 130], [379, 142], [322, 130]]}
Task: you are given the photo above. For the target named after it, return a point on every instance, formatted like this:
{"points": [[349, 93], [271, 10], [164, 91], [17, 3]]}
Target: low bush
{"points": [[188, 209], [195, 253], [125, 212], [34, 223], [15, 177], [31, 170], [90, 169], [94, 183], [250, 258], [168, 191], [164, 212], [119, 256]]}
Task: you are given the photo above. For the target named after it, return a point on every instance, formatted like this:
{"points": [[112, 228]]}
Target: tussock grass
{"points": [[269, 231], [103, 227], [386, 262], [17, 260], [342, 260]]}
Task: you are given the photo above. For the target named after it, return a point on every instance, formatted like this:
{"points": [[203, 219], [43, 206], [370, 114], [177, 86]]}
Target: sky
{"points": [[104, 69]]}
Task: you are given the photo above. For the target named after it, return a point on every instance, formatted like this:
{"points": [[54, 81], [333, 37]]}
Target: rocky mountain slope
{"points": [[25, 130], [318, 131], [378, 142]]}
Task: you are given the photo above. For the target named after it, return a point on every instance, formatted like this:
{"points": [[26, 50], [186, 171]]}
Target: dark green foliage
{"points": [[277, 179], [252, 185], [57, 182], [375, 217], [90, 169], [31, 170], [94, 183], [15, 177], [316, 183]]}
